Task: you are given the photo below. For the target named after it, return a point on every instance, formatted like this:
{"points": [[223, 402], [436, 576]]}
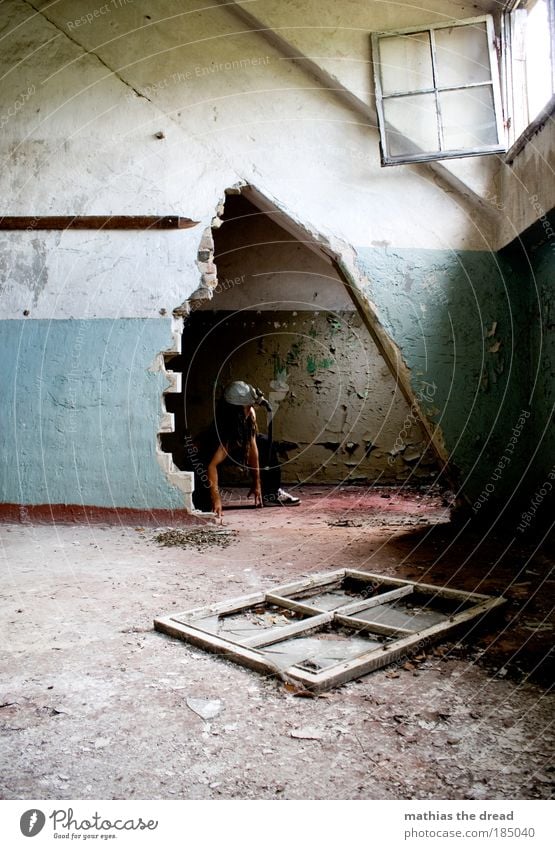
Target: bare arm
{"points": [[212, 472], [254, 464]]}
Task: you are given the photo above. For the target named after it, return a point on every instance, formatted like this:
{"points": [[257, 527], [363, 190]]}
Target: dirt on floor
{"points": [[96, 704]]}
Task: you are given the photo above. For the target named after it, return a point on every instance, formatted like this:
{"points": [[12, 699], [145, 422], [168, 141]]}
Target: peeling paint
{"points": [[85, 434], [313, 364], [339, 413]]}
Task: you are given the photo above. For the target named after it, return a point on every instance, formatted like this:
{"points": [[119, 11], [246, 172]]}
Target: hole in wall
{"points": [[281, 318]]}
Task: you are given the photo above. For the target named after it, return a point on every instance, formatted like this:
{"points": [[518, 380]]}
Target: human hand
{"points": [[217, 507], [257, 492]]}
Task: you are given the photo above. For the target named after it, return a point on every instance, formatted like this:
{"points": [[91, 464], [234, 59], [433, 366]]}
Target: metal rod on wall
{"points": [[95, 222]]}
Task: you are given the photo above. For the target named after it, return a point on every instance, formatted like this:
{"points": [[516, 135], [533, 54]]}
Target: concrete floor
{"points": [[93, 700]]}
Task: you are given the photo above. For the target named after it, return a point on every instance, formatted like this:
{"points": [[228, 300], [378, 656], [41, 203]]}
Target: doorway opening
{"points": [[281, 317]]}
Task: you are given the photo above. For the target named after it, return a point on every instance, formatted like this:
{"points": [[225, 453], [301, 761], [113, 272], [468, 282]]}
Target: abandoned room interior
{"points": [[347, 206]]}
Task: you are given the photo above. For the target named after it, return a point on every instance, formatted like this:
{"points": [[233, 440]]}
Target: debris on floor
{"points": [[205, 708], [345, 523], [116, 720], [199, 538], [308, 733], [382, 520]]}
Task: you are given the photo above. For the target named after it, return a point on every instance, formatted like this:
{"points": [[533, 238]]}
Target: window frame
{"points": [[514, 103], [398, 642], [493, 82]]}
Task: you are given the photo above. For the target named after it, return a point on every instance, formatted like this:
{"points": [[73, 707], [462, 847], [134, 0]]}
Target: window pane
{"points": [[406, 63], [468, 118], [462, 55], [414, 117], [538, 58]]}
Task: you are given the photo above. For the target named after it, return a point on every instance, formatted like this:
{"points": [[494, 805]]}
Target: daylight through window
{"points": [[529, 68], [437, 91]]}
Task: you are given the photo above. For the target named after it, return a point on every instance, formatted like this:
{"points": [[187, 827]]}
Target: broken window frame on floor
{"points": [[376, 591]]}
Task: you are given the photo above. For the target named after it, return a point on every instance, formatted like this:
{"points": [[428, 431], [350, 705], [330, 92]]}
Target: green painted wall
{"points": [[533, 254], [542, 372], [80, 412], [460, 321], [336, 402], [80, 408]]}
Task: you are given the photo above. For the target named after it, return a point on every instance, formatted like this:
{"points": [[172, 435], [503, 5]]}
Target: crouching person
{"points": [[233, 437]]}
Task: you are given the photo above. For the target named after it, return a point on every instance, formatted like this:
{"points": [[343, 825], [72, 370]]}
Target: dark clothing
{"points": [[200, 454], [270, 470]]}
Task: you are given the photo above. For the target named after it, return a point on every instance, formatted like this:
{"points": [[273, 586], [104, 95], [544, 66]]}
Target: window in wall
{"points": [[437, 91], [529, 63]]}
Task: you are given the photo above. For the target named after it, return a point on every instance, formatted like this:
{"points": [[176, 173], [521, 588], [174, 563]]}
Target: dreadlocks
{"points": [[234, 430]]}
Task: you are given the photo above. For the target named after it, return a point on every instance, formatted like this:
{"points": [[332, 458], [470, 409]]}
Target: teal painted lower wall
{"points": [[460, 319], [80, 412], [534, 254], [80, 409], [542, 372]]}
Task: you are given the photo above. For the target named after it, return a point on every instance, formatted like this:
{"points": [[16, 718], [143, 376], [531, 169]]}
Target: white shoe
{"points": [[281, 498]]}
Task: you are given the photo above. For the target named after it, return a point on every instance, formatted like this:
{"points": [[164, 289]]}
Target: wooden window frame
{"points": [[483, 150], [520, 129], [249, 651]]}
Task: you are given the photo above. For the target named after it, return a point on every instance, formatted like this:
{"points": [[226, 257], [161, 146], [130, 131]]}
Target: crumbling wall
{"points": [[457, 316], [158, 112], [337, 410], [282, 319]]}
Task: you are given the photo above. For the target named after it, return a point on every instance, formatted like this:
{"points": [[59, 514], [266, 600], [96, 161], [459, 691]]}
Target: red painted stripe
{"points": [[78, 514]]}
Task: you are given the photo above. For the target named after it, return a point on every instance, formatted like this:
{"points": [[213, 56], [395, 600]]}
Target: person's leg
{"points": [[270, 475], [270, 470]]}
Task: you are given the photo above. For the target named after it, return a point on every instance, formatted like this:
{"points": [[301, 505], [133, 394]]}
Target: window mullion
{"points": [[440, 138], [462, 86], [551, 20], [408, 93], [495, 86]]}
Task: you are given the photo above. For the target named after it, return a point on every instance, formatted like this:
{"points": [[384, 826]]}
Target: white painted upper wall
{"points": [[527, 186], [80, 103], [336, 36], [261, 267]]}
